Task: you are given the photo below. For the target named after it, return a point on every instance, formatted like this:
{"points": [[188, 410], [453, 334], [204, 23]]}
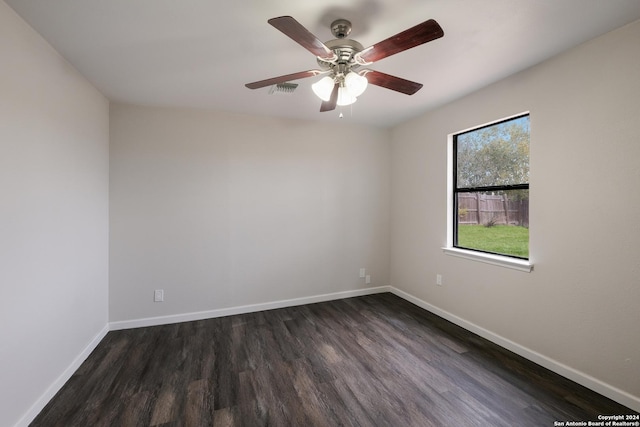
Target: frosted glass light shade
{"points": [[356, 84], [323, 88], [345, 97]]}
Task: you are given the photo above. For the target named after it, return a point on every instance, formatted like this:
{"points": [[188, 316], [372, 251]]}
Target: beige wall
{"points": [[224, 210], [54, 165], [579, 307]]}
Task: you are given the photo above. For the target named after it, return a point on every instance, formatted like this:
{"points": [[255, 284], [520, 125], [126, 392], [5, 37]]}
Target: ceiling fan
{"points": [[340, 59]]}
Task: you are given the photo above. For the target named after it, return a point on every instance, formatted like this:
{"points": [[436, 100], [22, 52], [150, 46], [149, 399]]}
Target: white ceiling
{"points": [[200, 53]]}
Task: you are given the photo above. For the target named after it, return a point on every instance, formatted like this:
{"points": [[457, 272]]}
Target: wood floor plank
{"points": [[368, 361]]}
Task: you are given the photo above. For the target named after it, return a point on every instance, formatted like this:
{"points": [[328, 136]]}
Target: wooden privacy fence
{"points": [[479, 208]]}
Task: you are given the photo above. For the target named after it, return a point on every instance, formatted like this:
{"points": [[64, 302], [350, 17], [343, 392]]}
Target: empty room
{"points": [[358, 213]]}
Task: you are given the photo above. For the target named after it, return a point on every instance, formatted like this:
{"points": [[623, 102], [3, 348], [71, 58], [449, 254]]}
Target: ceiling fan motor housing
{"points": [[345, 49]]}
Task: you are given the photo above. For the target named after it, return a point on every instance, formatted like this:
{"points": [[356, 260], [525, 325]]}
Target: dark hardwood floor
{"points": [[369, 361]]}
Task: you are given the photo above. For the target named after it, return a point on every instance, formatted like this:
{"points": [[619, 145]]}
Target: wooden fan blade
{"points": [[414, 36], [391, 82], [285, 78], [292, 28], [332, 102]]}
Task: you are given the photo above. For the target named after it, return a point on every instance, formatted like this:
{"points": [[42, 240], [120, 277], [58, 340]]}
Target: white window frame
{"points": [[449, 249]]}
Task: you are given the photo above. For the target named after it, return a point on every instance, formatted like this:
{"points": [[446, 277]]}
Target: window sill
{"points": [[502, 261]]}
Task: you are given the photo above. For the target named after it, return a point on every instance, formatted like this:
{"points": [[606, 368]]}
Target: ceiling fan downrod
{"points": [[340, 28]]}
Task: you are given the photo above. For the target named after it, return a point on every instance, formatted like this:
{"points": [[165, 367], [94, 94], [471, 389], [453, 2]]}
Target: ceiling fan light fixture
{"points": [[356, 83], [350, 88], [323, 88]]}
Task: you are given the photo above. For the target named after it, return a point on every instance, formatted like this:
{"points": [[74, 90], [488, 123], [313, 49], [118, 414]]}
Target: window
{"points": [[489, 190]]}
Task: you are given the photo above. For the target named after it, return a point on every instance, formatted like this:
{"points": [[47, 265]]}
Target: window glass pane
{"points": [[496, 222], [494, 155]]}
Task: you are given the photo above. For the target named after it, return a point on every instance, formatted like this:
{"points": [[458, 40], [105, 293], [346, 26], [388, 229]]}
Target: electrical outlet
{"points": [[367, 279], [439, 279], [362, 273], [158, 295]]}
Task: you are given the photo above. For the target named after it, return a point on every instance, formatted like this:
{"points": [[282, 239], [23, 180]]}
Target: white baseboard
{"points": [[39, 405], [200, 315], [581, 378]]}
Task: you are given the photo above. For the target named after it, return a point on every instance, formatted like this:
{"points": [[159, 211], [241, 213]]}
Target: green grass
{"points": [[502, 239]]}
